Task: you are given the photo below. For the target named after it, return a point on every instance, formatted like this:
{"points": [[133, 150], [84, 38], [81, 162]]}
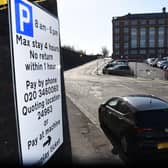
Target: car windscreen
{"points": [[152, 118]]}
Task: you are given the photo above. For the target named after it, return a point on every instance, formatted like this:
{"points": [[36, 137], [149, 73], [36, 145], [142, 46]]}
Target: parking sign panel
{"points": [[24, 18], [37, 81]]}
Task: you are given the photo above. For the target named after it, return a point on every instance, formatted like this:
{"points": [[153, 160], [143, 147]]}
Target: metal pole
{"points": [[136, 69], [97, 65]]}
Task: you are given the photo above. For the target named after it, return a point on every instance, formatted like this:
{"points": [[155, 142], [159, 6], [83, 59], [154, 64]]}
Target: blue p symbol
{"points": [[24, 18]]}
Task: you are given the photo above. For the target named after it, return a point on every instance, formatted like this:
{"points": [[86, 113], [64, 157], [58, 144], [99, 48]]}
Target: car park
{"points": [[136, 125]]}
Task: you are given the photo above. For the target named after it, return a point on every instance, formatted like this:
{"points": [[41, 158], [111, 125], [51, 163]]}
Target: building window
{"points": [[167, 36], [134, 51], [126, 45], [151, 51], [125, 52], [126, 22], [161, 21], [117, 52], [134, 22], [125, 29], [161, 51], [161, 37], [133, 38], [142, 51], [116, 38], [143, 22], [126, 38], [142, 37], [151, 37], [116, 30], [116, 45], [116, 23], [160, 43], [152, 21]]}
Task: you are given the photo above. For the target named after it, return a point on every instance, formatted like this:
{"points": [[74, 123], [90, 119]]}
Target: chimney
{"points": [[164, 10]]}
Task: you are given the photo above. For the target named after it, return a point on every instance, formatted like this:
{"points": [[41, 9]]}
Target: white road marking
{"points": [[96, 91]]}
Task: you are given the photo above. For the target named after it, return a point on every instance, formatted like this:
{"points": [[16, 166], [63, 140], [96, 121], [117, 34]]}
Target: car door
{"points": [[110, 115], [124, 118], [121, 70], [125, 70], [117, 70]]}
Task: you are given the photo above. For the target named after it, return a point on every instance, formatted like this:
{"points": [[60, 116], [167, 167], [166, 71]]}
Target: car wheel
{"points": [[104, 72], [125, 154], [123, 150], [124, 144]]}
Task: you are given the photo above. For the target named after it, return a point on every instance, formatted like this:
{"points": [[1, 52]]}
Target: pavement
{"points": [[89, 144]]}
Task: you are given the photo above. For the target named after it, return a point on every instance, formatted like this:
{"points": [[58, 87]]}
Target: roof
{"points": [[146, 102], [143, 16]]}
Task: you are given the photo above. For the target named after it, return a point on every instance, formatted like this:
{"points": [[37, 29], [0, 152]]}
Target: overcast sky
{"points": [[86, 24]]}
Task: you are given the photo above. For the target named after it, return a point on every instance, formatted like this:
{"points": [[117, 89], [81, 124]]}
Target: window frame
{"points": [[115, 107]]}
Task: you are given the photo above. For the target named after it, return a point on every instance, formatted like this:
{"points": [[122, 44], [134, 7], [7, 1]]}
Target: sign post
{"points": [[37, 79]]}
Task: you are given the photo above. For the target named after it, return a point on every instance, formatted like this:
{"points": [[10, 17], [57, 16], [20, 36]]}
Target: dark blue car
{"points": [[136, 125]]}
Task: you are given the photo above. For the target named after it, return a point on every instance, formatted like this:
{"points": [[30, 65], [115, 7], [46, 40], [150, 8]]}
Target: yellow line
{"points": [[3, 3], [39, 0]]}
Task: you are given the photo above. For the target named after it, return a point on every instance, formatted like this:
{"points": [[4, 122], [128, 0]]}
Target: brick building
{"points": [[140, 35]]}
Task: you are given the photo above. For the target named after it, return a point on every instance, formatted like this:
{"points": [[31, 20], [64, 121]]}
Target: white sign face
{"points": [[37, 78]]}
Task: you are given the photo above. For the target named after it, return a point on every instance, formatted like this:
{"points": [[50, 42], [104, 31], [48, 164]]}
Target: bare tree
{"points": [[105, 51]]}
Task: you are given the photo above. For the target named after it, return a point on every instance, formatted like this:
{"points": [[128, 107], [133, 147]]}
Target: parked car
{"points": [[155, 61], [137, 125], [107, 66], [120, 69], [165, 67], [164, 64], [160, 63], [149, 60]]}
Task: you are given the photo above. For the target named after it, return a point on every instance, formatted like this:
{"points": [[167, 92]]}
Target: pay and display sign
{"points": [[37, 81]]}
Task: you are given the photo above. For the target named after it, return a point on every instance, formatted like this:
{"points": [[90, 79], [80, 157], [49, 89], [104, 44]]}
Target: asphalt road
{"points": [[87, 88]]}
